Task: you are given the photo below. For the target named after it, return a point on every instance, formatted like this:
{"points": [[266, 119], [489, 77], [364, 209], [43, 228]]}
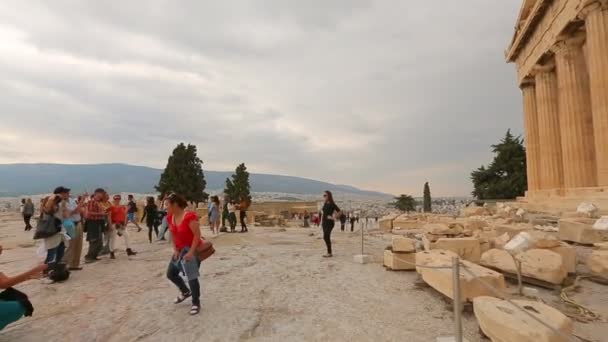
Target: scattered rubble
{"points": [[485, 238], [587, 209], [601, 224], [546, 228], [513, 229], [475, 211]]}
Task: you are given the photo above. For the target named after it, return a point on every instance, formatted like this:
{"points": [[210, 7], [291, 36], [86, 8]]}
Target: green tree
{"points": [[427, 198], [505, 177], [184, 175], [238, 188], [405, 203], [229, 189]]}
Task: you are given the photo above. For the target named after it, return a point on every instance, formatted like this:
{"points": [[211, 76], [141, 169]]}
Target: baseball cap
{"points": [[61, 190]]}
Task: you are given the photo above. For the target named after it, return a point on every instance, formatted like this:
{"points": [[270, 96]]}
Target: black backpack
{"points": [[59, 272]]}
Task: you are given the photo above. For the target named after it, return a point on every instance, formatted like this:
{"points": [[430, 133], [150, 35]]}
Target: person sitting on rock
{"points": [[12, 308]]}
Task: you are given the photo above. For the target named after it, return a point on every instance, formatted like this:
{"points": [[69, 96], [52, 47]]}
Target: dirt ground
{"points": [[267, 285]]}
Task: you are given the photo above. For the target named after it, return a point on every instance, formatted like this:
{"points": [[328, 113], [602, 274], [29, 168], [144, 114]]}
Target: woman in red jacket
{"points": [[186, 233]]}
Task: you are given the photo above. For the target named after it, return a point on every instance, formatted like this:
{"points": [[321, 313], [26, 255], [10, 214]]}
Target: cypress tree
{"points": [[229, 189], [239, 188], [427, 198], [184, 175], [505, 177]]}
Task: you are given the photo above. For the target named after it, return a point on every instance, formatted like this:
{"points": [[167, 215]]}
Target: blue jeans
{"points": [[164, 226], [191, 270], [55, 255]]}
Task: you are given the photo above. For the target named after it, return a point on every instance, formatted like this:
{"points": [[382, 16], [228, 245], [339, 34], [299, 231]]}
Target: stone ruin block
{"points": [[598, 263], [441, 279], [541, 264], [399, 261], [502, 321], [580, 230], [402, 244], [467, 248]]}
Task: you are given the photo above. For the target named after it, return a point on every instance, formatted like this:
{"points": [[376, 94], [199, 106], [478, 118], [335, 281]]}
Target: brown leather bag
{"points": [[205, 250]]}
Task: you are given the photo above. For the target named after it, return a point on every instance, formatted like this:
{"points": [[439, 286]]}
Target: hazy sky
{"points": [[379, 94]]}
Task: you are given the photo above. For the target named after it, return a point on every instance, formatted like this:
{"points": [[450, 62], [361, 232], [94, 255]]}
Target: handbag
{"points": [[59, 272], [47, 226], [205, 250]]}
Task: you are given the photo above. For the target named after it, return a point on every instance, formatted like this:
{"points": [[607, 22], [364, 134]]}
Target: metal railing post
{"points": [[457, 300]]}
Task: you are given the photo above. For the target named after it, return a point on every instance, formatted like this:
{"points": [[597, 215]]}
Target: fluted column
{"points": [[596, 24], [550, 148], [575, 118], [531, 133]]}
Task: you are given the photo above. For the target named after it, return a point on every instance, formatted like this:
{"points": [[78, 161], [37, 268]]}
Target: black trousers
{"points": [[342, 224], [243, 218], [232, 221], [152, 226], [194, 285], [26, 219], [95, 247], [327, 228]]}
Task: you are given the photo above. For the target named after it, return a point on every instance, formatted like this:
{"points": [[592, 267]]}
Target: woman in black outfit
{"points": [[151, 217], [330, 210]]}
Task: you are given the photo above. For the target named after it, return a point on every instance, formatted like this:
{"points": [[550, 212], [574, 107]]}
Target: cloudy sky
{"points": [[379, 94]]}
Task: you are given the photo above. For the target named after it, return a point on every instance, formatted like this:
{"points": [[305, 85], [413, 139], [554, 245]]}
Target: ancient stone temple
{"points": [[560, 48]]}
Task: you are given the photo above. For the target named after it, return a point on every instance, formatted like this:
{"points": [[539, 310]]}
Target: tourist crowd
{"points": [[65, 222]]}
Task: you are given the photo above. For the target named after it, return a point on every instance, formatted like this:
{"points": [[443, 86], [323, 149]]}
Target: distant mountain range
{"points": [[30, 179]]}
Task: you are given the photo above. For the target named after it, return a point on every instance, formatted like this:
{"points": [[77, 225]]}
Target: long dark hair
{"points": [[150, 201], [330, 196], [216, 200]]}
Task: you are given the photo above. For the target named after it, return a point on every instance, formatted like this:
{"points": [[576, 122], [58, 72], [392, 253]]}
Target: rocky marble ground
{"points": [[268, 285]]}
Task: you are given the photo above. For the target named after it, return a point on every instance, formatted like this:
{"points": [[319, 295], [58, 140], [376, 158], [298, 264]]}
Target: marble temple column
{"points": [[549, 139], [575, 118], [596, 24], [531, 133]]}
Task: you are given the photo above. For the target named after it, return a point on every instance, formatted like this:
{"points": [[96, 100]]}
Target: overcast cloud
{"points": [[379, 94]]}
